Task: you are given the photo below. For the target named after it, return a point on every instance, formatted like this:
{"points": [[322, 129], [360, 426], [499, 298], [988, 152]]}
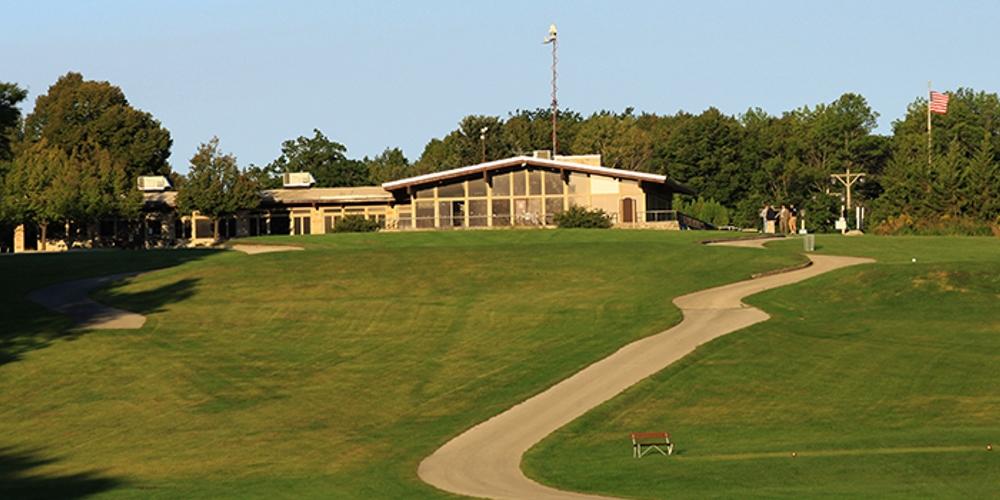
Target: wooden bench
{"points": [[644, 442]]}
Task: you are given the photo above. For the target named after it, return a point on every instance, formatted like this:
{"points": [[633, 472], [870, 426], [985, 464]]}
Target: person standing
{"points": [[793, 219], [783, 216]]}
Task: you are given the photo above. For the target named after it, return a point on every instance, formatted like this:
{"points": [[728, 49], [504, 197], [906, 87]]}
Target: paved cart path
{"points": [[485, 460], [70, 298]]}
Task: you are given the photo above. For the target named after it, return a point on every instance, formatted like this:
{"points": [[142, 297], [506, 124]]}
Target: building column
{"points": [[19, 238]]}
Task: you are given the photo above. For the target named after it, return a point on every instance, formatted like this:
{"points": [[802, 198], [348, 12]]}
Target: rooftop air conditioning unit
{"points": [[297, 180], [150, 183], [544, 154]]}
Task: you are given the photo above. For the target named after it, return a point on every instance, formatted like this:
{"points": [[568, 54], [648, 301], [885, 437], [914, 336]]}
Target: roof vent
{"points": [[150, 183], [544, 154], [297, 180]]}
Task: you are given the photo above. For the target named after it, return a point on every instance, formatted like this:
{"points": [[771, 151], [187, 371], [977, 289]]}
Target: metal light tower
{"points": [[482, 141], [552, 39]]}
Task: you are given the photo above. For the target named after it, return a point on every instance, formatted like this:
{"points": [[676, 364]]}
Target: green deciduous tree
{"points": [[75, 111], [326, 160], [10, 117], [215, 186], [389, 165], [46, 185]]}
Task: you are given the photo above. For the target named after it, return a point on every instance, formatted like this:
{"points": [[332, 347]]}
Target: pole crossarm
{"points": [[848, 179]]}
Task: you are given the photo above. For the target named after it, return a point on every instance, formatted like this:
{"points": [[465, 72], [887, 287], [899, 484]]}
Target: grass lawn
{"points": [[329, 372], [884, 379]]}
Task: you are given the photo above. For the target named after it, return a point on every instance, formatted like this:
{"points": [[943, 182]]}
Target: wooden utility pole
{"points": [[848, 179]]}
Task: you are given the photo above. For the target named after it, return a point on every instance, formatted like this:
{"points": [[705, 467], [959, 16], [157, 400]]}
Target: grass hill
{"points": [[884, 379], [327, 372]]}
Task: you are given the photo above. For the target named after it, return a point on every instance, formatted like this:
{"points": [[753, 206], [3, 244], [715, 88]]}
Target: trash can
{"points": [[809, 243]]}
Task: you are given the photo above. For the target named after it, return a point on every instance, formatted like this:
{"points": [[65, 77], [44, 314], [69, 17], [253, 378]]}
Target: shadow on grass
{"points": [[18, 479], [148, 301], [27, 326]]}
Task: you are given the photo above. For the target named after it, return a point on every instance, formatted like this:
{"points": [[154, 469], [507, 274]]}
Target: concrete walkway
{"points": [[70, 298], [485, 460]]}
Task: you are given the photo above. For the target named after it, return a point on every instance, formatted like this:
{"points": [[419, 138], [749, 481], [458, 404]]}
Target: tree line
{"points": [[76, 156]]}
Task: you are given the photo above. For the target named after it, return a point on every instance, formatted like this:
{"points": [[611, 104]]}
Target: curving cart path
{"points": [[71, 298], [485, 460]]}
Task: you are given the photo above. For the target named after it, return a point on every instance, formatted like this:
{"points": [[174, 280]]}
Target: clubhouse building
{"points": [[521, 191]]}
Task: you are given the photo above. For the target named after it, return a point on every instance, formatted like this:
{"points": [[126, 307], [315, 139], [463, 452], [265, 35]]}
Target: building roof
{"points": [[327, 195], [536, 162], [160, 199]]}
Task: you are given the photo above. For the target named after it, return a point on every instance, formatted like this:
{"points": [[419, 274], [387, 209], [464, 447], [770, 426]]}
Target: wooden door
{"points": [[628, 211]]}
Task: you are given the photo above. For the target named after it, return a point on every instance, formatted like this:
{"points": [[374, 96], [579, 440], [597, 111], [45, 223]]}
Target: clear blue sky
{"points": [[376, 74]]}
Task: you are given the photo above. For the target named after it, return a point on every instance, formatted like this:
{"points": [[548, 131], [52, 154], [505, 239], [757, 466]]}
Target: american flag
{"points": [[939, 103]]}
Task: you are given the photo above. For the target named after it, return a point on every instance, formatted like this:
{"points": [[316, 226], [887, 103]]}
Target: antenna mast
{"points": [[553, 39]]}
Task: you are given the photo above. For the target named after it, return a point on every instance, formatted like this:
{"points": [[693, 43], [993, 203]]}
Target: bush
{"points": [[356, 224], [709, 211], [578, 216], [937, 226]]}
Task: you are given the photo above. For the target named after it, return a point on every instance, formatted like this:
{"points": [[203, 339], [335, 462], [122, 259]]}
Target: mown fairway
{"points": [[884, 379], [324, 373]]}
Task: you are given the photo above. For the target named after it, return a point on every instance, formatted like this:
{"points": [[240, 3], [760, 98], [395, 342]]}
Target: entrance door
{"points": [[628, 210]]}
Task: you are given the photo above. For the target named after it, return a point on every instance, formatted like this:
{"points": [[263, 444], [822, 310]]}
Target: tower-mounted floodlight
{"points": [[552, 34]]}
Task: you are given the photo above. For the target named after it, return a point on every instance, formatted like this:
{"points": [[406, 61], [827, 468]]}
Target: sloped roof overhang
{"points": [[525, 161]]}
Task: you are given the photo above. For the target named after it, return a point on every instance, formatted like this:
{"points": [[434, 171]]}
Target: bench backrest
{"points": [[650, 437]]}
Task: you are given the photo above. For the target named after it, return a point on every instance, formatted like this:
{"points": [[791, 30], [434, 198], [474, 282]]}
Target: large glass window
{"points": [[534, 182], [425, 214], [501, 184], [454, 190], [302, 225], [553, 183], [501, 212], [477, 187], [477, 213], [405, 220], [517, 183], [424, 194], [534, 215], [520, 211], [205, 228], [444, 214], [553, 206]]}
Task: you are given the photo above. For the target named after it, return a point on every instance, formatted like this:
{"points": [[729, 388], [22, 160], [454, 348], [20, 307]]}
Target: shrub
{"points": [[578, 216], [356, 224], [709, 211], [938, 226]]}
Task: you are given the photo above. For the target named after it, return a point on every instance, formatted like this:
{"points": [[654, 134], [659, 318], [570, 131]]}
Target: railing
{"points": [[531, 219], [683, 220]]}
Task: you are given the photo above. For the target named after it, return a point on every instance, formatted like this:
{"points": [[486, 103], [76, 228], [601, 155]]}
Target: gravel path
{"points": [[485, 460]]}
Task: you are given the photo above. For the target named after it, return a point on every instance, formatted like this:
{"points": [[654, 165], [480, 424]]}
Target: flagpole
{"points": [[928, 122]]}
